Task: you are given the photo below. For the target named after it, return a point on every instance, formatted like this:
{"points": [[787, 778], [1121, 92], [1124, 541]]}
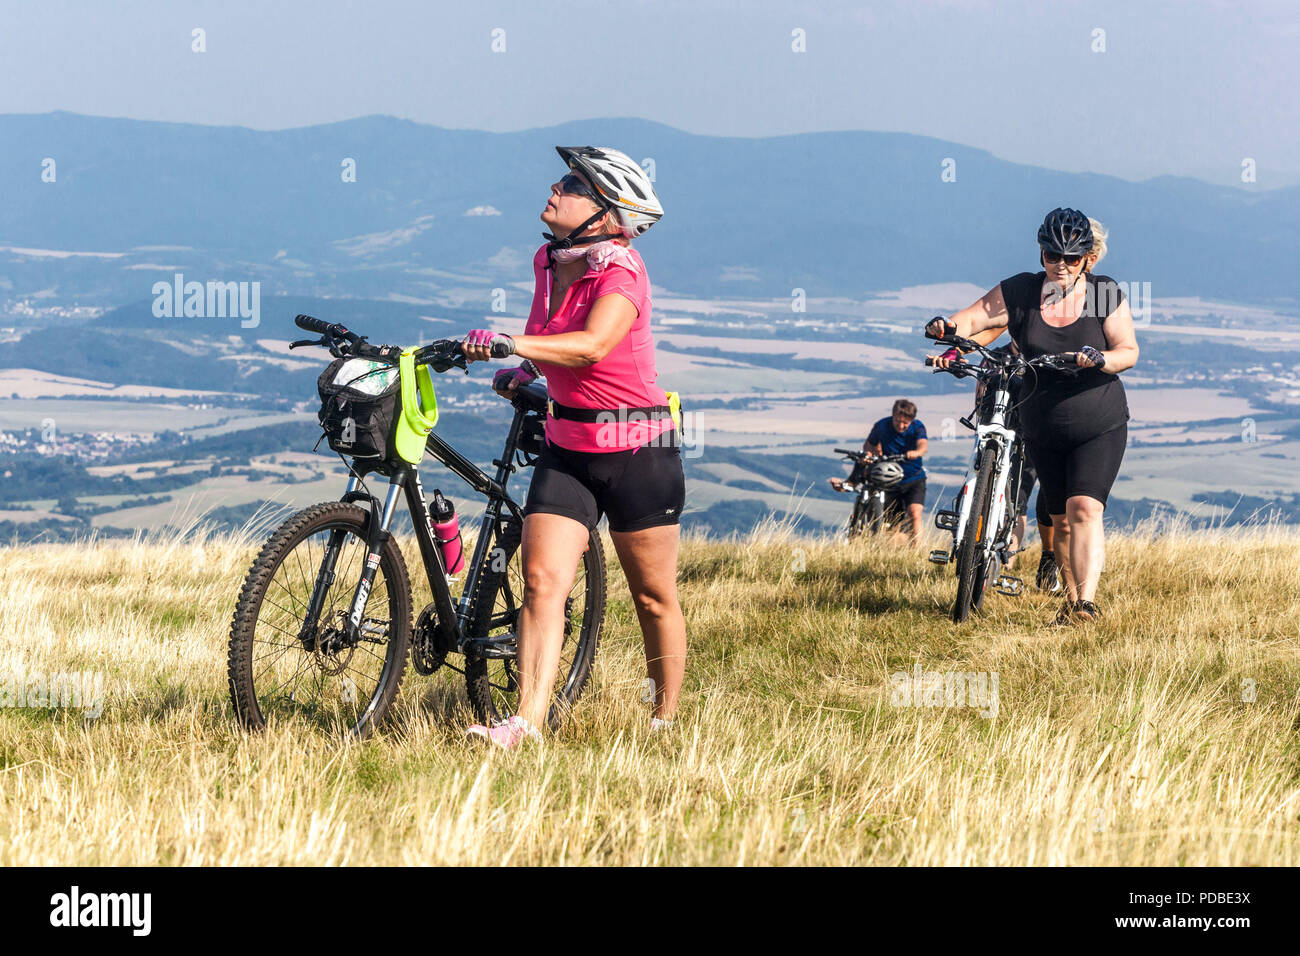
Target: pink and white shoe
{"points": [[506, 734]]}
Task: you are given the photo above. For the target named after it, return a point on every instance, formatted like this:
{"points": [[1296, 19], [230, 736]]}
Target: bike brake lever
{"points": [[304, 342]]}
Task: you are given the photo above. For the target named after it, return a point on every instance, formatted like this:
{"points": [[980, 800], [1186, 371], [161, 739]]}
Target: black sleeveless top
{"points": [[1065, 409]]}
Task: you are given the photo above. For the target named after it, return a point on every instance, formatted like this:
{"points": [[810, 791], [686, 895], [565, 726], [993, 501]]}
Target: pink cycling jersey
{"points": [[625, 378]]}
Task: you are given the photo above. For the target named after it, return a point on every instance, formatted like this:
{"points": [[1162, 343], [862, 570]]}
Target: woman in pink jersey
{"points": [[611, 445]]}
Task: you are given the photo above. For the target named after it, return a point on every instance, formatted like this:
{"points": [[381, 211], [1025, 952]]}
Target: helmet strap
{"points": [[568, 242], [1082, 271], [1076, 280]]}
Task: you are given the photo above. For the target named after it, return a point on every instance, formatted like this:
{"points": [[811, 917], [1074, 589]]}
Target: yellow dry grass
{"points": [[1134, 741]]}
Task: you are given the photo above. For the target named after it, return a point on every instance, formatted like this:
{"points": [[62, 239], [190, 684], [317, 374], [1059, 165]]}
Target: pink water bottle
{"points": [[446, 531]]}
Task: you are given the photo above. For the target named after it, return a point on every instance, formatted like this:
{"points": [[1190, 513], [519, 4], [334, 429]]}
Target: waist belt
{"points": [[593, 415]]}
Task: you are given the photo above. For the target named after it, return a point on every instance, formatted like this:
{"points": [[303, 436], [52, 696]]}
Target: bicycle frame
{"points": [[992, 437], [453, 619]]}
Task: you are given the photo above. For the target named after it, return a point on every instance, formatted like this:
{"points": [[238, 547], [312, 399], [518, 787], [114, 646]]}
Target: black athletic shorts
{"points": [[1028, 477], [1089, 468], [638, 488], [899, 497]]}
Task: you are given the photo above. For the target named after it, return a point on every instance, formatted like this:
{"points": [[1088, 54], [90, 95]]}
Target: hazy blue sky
{"points": [[1185, 88]]}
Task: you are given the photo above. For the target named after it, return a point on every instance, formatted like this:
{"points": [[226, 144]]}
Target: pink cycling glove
{"points": [[508, 379], [488, 339]]}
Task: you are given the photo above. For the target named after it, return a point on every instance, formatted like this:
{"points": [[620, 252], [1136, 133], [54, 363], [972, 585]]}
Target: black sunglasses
{"points": [[574, 186], [1052, 258]]}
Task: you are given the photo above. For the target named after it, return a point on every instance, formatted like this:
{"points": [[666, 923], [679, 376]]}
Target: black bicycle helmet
{"points": [[1066, 232]]}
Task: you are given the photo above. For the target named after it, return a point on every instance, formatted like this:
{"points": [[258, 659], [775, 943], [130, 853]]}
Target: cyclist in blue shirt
{"points": [[902, 433]]}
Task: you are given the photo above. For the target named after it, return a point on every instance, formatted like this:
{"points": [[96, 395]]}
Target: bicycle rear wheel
{"points": [[493, 683], [285, 662]]}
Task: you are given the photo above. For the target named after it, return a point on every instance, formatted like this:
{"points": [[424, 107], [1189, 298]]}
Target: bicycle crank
{"points": [[502, 647]]}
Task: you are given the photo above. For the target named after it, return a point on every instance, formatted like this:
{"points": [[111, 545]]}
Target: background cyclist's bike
{"points": [[322, 628], [882, 472], [984, 515]]}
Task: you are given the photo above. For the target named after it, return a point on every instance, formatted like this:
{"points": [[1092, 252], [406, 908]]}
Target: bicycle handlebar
{"points": [[343, 343], [1057, 362], [866, 456]]}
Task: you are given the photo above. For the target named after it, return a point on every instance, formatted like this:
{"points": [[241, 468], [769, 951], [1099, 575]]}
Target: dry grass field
{"points": [[1165, 734]]}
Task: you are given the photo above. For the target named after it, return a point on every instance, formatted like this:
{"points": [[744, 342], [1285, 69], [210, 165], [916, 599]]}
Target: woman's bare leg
{"points": [[1061, 549], [649, 560], [1087, 544], [551, 549]]}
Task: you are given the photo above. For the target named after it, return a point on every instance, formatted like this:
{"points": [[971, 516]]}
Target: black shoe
{"points": [[1049, 575], [1086, 611], [1065, 616]]}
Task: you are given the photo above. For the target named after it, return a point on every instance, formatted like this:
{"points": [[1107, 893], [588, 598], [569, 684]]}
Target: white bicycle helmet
{"points": [[621, 183], [885, 474]]}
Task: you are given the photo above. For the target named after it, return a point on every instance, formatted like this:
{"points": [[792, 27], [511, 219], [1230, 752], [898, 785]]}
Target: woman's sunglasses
{"points": [[1052, 258], [574, 186]]}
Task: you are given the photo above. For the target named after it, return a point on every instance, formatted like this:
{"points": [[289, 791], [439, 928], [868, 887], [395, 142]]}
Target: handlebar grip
{"points": [[311, 324], [952, 363], [503, 348], [845, 451]]}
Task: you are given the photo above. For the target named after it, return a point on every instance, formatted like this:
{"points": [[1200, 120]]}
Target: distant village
{"points": [[83, 447]]}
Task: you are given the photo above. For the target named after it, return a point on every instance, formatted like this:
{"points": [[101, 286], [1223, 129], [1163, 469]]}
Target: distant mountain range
{"points": [[837, 214]]}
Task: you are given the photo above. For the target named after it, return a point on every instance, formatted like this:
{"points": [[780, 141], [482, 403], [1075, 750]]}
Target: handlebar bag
{"points": [[360, 408]]}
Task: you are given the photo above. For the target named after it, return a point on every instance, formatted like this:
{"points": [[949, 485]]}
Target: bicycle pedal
{"points": [[939, 557], [1009, 585], [945, 520]]}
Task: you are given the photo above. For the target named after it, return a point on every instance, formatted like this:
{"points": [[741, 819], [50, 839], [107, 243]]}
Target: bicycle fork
{"points": [[376, 534]]}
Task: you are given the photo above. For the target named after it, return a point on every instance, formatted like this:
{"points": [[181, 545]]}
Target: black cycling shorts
{"points": [[1089, 468], [899, 497], [1025, 488], [638, 488]]}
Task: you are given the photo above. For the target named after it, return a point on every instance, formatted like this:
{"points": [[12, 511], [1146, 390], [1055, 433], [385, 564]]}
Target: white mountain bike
{"points": [[983, 518]]}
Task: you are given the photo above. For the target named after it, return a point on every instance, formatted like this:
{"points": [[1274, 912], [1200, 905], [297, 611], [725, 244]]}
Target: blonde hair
{"points": [[1099, 234]]}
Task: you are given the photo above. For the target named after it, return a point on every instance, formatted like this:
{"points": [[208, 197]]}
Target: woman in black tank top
{"points": [[1075, 426]]}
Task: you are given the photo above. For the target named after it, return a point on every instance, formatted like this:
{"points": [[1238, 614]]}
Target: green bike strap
{"points": [[419, 408]]}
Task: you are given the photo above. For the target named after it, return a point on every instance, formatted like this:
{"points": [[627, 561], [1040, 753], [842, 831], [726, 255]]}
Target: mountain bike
{"points": [[322, 627], [869, 493], [982, 519]]}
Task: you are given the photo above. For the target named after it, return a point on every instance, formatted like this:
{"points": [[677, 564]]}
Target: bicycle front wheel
{"points": [[493, 682], [971, 551], [856, 520], [292, 653], [876, 514]]}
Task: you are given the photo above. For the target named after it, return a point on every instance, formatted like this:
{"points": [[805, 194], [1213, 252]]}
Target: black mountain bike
{"points": [[322, 628], [869, 493], [984, 515]]}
